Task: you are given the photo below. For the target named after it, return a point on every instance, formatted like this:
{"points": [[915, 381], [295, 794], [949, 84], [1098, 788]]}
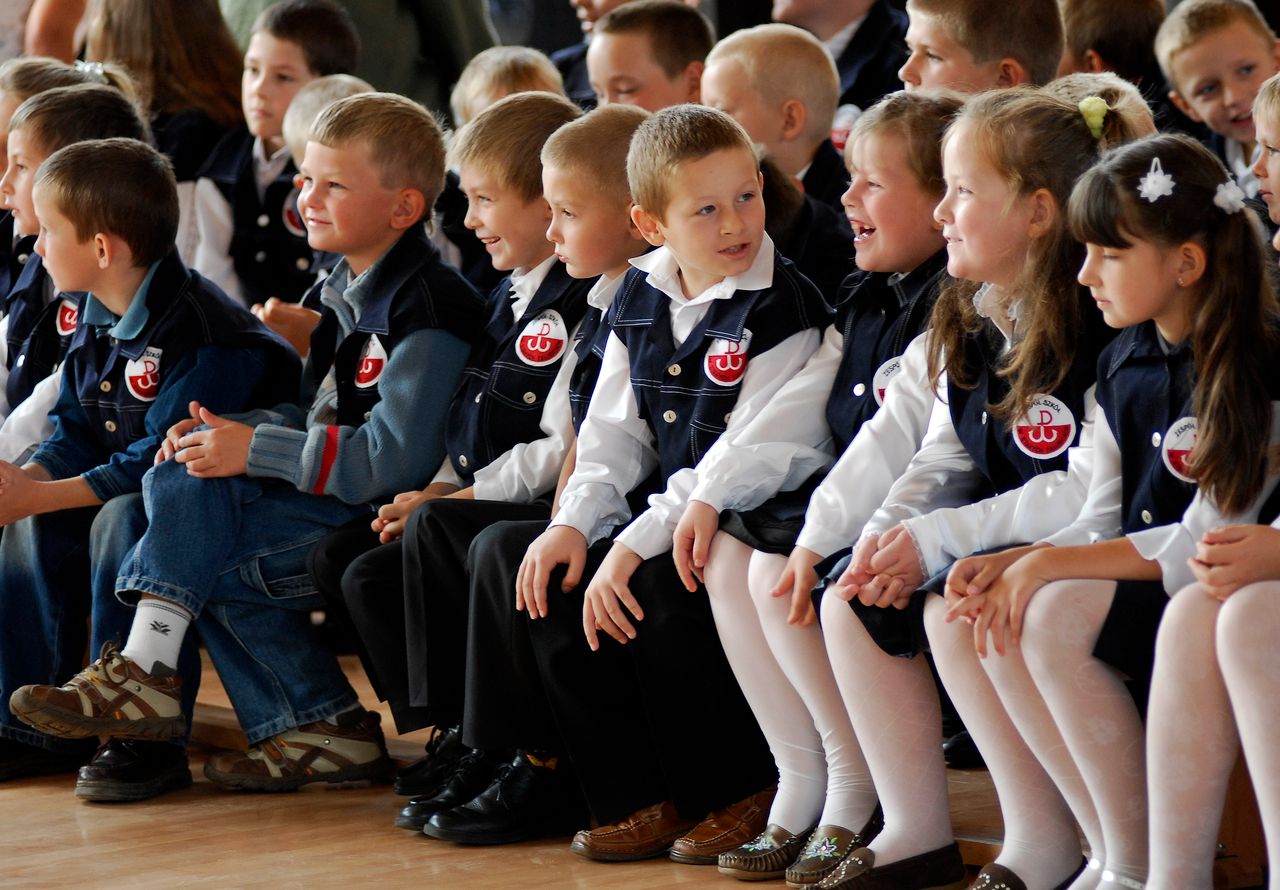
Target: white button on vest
{"points": [[478, 397], [984, 417], [463, 462], [674, 370], [110, 425], [105, 386], [530, 398], [22, 258], [1146, 516], [22, 360], [727, 416], [263, 221], [1155, 440], [859, 389], [303, 264], [260, 256], [669, 416], [368, 414]]}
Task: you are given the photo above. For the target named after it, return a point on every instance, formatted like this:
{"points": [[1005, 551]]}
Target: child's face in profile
{"points": [[890, 212], [1267, 168], [1135, 284], [71, 264], [725, 88], [512, 229], [591, 232], [25, 157], [1218, 76], [623, 71], [714, 221], [937, 61], [274, 71]]}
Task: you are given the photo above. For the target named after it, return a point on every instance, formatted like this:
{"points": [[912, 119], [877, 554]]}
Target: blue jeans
{"points": [[233, 552]]}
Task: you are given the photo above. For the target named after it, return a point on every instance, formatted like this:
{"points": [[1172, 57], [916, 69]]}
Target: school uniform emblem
{"points": [[1046, 430], [543, 339], [1177, 446], [373, 360], [142, 375], [842, 123], [885, 373], [65, 320], [726, 360], [290, 216]]}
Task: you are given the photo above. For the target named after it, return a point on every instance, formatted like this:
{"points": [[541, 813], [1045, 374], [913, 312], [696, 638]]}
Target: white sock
{"points": [[802, 655], [159, 627], [778, 708]]}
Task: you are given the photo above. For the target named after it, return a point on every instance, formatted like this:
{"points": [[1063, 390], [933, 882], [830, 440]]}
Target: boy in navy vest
{"points": [[39, 320], [250, 238], [261, 490], [152, 337], [704, 331]]}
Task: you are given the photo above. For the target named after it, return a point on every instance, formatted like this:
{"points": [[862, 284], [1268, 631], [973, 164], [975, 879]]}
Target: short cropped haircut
{"points": [[498, 72], [61, 116], [309, 101], [1267, 103], [119, 187], [920, 120], [1029, 31], [404, 141], [1122, 34], [23, 77], [506, 139], [595, 148], [322, 29], [1123, 99], [674, 136], [1190, 20], [785, 62], [678, 33]]}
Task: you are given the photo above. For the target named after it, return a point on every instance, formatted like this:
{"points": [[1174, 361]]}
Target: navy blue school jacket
{"points": [[868, 66], [39, 334], [827, 180], [13, 253]]}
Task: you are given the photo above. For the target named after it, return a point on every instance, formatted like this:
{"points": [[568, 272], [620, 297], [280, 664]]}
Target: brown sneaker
{"points": [[113, 696], [313, 752], [644, 834], [724, 830]]}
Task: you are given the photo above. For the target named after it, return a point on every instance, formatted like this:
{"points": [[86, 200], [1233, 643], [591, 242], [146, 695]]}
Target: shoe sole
{"points": [[463, 836], [116, 791], [693, 858], [412, 824], [376, 771], [71, 725], [609, 856], [751, 875]]}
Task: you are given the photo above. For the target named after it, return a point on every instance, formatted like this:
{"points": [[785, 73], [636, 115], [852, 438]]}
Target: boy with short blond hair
{"points": [[1215, 54], [976, 45], [497, 72], [1266, 118], [261, 489], [649, 53]]}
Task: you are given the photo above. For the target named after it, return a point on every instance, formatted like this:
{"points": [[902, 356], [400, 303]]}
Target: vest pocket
{"points": [[702, 436], [524, 389]]}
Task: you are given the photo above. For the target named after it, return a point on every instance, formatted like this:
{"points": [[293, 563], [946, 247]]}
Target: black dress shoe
{"points": [[960, 752], [19, 760], [426, 774], [471, 775], [520, 803], [132, 769]]}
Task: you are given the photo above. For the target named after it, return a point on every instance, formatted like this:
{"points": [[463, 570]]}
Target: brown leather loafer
{"points": [[644, 834], [764, 858], [996, 877], [724, 830], [827, 846], [940, 869]]}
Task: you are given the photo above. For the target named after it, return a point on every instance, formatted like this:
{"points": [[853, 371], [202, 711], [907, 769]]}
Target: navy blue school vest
{"points": [[116, 381], [588, 350], [410, 289], [1037, 442], [13, 254], [686, 394], [269, 242], [827, 180], [504, 389], [39, 334]]}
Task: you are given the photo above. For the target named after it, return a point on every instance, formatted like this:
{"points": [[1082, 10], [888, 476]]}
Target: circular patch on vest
{"points": [[1176, 448], [373, 360], [65, 320], [842, 123], [142, 375], [1046, 430], [290, 216], [543, 339], [885, 373], [726, 360]]}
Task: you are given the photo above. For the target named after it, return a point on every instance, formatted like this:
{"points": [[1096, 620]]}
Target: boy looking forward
{"points": [[649, 53]]}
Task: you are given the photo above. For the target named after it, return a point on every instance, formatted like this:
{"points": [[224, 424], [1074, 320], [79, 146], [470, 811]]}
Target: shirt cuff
{"points": [[820, 541], [648, 536], [711, 492], [1170, 546], [104, 483], [276, 452]]}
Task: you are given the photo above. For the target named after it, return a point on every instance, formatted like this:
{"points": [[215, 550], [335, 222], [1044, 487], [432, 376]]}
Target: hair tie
{"points": [[1230, 197], [1094, 110], [94, 70], [1155, 184]]}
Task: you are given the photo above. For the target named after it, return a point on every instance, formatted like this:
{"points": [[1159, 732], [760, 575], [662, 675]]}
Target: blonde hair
{"points": [[1123, 99], [309, 101], [1122, 34], [784, 62], [674, 136], [919, 119], [990, 31], [595, 148], [1193, 19], [1267, 102], [506, 139], [498, 72], [23, 77], [404, 141]]}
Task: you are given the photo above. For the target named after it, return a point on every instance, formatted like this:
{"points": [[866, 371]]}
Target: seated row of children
{"points": [[730, 401]]}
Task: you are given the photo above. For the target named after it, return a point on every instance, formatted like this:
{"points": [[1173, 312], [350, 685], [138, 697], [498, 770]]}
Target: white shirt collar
{"points": [[664, 273], [840, 40], [266, 169], [991, 303], [1242, 167], [601, 294], [524, 284]]}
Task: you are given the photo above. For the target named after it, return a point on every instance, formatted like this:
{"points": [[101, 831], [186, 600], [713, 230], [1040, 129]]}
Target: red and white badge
{"points": [[1046, 430], [842, 123], [68, 315], [885, 373], [726, 360], [543, 339], [373, 360], [142, 375], [1176, 448], [290, 216]]}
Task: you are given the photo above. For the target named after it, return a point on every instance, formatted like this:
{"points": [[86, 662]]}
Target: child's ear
{"points": [[410, 208], [1011, 73], [693, 80], [632, 229], [1184, 106], [1192, 261], [1044, 213], [648, 225], [1093, 63], [104, 249], [794, 117]]}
